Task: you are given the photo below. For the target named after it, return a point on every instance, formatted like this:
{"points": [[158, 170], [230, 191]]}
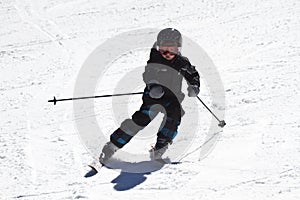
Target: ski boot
{"points": [[107, 152], [156, 154]]}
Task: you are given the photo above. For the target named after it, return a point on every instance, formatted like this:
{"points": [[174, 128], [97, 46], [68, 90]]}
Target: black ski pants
{"points": [[171, 108]]}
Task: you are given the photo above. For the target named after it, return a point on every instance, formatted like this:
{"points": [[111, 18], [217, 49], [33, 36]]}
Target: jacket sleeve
{"points": [[189, 72]]}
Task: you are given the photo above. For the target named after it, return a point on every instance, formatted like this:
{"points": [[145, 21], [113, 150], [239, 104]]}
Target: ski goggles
{"points": [[171, 50]]}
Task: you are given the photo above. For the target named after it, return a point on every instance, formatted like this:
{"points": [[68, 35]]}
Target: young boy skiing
{"points": [[163, 88]]}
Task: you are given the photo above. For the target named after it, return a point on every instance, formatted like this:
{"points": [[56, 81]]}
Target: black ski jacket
{"points": [[169, 74]]}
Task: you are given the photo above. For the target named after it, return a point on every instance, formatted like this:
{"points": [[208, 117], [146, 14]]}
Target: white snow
{"points": [[255, 46]]}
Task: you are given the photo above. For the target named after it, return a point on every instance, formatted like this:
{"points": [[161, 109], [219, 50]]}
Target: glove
{"points": [[193, 90], [156, 91]]}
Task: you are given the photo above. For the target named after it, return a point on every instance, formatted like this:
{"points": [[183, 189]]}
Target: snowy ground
{"points": [[255, 46]]}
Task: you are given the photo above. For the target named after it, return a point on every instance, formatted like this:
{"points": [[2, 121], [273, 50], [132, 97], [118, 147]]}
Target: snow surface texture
{"points": [[255, 46]]}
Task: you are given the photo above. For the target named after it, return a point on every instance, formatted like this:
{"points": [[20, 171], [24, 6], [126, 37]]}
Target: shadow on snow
{"points": [[133, 174]]}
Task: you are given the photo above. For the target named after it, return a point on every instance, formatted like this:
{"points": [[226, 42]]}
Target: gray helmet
{"points": [[169, 36]]}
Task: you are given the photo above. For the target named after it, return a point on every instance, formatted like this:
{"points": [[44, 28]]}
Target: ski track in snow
{"points": [[254, 44]]}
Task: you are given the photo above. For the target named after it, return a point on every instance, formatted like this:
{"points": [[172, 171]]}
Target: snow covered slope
{"points": [[255, 46]]}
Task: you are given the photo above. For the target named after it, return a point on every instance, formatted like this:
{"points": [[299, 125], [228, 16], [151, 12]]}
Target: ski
{"points": [[165, 161], [95, 168]]}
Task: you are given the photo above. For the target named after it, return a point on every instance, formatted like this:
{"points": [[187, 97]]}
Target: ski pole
{"points": [[54, 100], [221, 122]]}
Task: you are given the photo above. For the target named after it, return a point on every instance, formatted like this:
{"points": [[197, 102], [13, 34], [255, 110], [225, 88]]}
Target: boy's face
{"points": [[168, 52]]}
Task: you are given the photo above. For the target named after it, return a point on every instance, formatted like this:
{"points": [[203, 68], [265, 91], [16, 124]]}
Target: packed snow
{"points": [[255, 46]]}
